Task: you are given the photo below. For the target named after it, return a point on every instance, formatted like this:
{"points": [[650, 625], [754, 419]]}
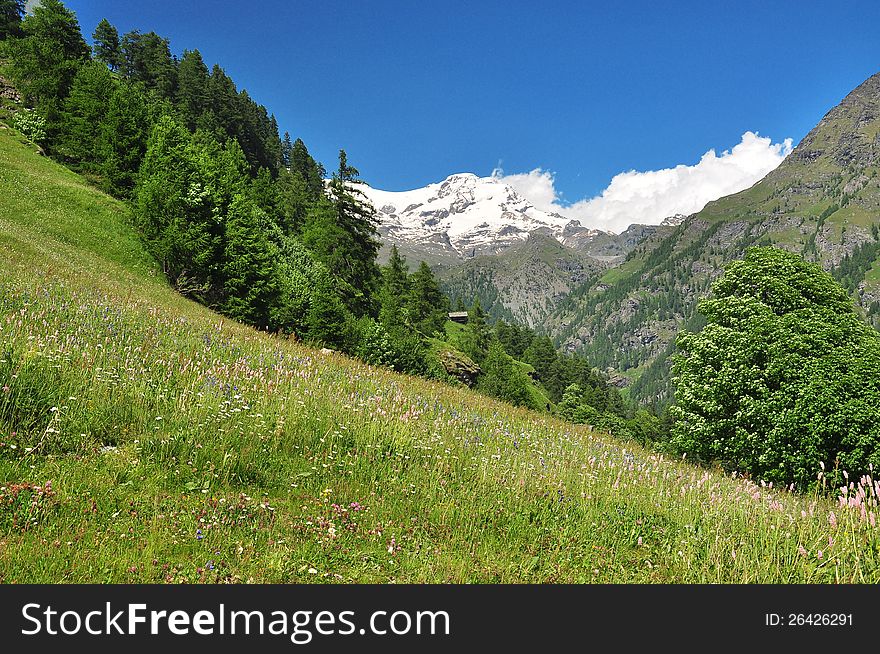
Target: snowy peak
{"points": [[466, 215]]}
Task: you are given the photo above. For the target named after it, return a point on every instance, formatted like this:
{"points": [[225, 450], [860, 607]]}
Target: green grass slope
{"points": [[146, 439]]}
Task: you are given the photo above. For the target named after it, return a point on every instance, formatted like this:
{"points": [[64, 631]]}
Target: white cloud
{"points": [[649, 197]]}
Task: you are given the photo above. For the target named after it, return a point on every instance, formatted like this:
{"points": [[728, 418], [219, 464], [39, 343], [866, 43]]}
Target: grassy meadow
{"points": [[144, 438]]}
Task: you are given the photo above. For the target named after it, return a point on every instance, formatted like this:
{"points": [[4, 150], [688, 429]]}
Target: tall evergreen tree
{"points": [[312, 173], [193, 96], [427, 306], [123, 138], [250, 266], [85, 110], [286, 150], [106, 45], [173, 212], [11, 13], [394, 291], [477, 336], [147, 58], [341, 232], [46, 58]]}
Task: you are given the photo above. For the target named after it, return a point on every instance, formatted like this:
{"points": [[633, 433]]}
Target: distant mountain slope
{"points": [[524, 283], [823, 202]]}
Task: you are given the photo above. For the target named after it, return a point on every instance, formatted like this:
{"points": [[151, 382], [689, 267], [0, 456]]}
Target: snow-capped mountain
{"points": [[466, 215]]}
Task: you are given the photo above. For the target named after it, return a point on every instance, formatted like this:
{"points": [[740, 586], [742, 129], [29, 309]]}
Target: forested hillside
{"points": [[822, 202]]}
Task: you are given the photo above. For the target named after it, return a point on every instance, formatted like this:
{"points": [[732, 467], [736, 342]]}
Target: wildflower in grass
{"points": [[199, 535], [832, 520], [819, 554], [802, 551]]}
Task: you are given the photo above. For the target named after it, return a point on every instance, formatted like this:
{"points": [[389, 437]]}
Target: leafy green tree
{"points": [[329, 322], [783, 376], [46, 58], [394, 290], [85, 110], [574, 408], [106, 46], [311, 172], [173, 211], [11, 13], [542, 356]]}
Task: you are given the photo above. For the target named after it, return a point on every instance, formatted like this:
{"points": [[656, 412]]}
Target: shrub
{"points": [[31, 124]]}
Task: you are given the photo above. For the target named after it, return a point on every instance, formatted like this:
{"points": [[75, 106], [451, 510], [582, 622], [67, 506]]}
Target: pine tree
{"points": [[542, 356], [146, 58], [394, 290], [11, 13], [106, 45], [286, 150], [85, 110], [312, 173], [427, 306], [173, 211], [123, 138], [341, 232], [193, 96], [46, 58], [476, 336], [250, 266], [500, 378]]}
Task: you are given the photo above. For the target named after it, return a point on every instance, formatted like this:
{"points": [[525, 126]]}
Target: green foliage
{"points": [[783, 377], [477, 336], [147, 59], [123, 138], [46, 58], [250, 274], [107, 48], [85, 110], [502, 379], [173, 211], [31, 124], [427, 307], [11, 13], [341, 232], [193, 96]]}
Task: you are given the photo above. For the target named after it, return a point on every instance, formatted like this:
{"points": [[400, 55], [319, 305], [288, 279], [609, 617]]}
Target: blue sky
{"points": [[415, 91]]}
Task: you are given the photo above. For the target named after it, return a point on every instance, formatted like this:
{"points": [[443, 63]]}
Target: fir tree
{"points": [[427, 306], [106, 45], [146, 58], [193, 95], [46, 58], [11, 13], [85, 110], [250, 274], [123, 138], [394, 290], [341, 232]]}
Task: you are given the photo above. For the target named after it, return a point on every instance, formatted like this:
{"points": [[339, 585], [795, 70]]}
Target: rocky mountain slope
{"points": [[823, 202], [525, 283]]}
